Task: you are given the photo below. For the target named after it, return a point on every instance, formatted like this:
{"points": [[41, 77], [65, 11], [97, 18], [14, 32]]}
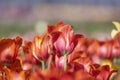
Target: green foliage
{"points": [[7, 30], [90, 28]]}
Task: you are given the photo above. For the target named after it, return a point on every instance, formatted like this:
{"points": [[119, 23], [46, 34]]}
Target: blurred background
{"points": [[30, 17]]}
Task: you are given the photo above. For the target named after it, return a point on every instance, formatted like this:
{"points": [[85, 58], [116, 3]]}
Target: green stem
{"points": [[43, 64], [49, 62], [65, 62]]}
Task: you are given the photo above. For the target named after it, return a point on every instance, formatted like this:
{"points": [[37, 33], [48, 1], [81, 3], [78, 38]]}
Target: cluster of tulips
{"points": [[59, 54]]}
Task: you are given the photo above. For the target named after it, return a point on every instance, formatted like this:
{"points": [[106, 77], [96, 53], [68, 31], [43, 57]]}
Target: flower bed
{"points": [[60, 54]]}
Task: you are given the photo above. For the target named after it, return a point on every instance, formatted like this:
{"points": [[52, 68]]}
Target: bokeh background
{"points": [[30, 17]]}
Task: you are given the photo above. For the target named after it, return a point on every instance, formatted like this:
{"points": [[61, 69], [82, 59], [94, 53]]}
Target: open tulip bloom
{"points": [[60, 54]]}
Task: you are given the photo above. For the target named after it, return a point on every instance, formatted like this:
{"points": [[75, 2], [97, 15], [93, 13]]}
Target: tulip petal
{"points": [[117, 25], [114, 33], [60, 44]]}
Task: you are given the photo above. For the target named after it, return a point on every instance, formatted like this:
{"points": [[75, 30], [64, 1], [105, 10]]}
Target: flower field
{"points": [[60, 54]]}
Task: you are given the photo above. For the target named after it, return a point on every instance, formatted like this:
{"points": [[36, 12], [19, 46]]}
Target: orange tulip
{"points": [[42, 47]]}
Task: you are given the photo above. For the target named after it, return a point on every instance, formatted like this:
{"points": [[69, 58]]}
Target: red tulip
{"points": [[12, 75], [83, 75], [101, 72], [105, 49], [93, 47], [14, 71], [59, 61], [9, 49], [67, 76], [27, 48], [62, 41], [115, 49], [85, 61], [81, 45]]}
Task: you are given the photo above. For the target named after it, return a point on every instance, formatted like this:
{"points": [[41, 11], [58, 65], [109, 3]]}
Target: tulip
{"points": [[27, 48], [115, 32], [9, 49], [11, 75], [60, 62], [42, 48], [14, 71], [62, 37]]}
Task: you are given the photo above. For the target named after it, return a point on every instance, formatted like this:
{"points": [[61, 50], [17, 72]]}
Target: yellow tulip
{"points": [[115, 31]]}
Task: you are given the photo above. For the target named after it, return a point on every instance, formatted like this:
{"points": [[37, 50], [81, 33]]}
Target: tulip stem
{"points": [[43, 64], [65, 62], [3, 76], [49, 62], [33, 69]]}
